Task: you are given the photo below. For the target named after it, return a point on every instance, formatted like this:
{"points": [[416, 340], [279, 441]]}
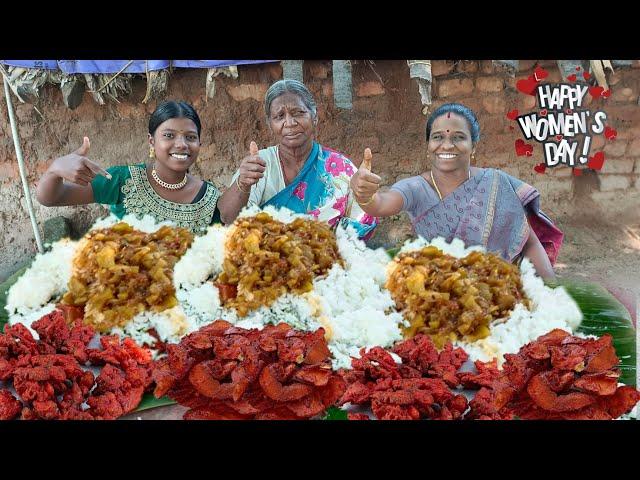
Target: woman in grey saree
{"points": [[481, 206]]}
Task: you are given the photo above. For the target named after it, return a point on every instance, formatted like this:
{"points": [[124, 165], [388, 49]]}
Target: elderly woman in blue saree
{"points": [[481, 206], [297, 173]]}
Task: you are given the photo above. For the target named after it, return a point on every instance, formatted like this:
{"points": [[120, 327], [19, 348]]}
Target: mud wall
{"points": [[386, 117]]}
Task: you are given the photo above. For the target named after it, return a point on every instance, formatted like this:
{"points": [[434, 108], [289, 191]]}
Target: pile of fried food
{"points": [[556, 377], [450, 298], [50, 380], [121, 272], [266, 258], [418, 388], [224, 372]]}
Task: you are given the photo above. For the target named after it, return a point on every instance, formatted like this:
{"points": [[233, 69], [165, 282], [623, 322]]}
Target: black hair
{"points": [[172, 109], [461, 110]]}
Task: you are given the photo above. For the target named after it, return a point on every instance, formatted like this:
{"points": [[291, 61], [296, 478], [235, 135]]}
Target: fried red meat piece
{"points": [[7, 367], [540, 391], [357, 416], [54, 331], [421, 353], [105, 406], [568, 357], [357, 393], [16, 341], [486, 373], [621, 402], [376, 363], [483, 407], [10, 406], [275, 390]]}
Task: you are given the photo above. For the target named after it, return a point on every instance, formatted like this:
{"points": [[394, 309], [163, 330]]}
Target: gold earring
{"points": [[473, 157], [152, 152]]}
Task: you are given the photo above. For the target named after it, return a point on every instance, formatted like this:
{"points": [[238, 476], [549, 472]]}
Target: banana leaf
{"points": [[149, 401], [335, 413], [603, 313]]}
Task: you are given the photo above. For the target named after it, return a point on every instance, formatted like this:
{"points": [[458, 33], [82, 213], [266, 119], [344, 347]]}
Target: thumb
{"points": [[84, 149], [253, 148], [366, 163]]}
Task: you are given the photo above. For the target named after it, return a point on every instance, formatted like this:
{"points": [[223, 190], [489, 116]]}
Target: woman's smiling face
{"points": [[176, 143], [450, 144]]}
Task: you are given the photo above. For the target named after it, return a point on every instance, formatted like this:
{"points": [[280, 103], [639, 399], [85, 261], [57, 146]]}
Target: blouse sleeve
{"points": [[107, 192], [405, 188]]}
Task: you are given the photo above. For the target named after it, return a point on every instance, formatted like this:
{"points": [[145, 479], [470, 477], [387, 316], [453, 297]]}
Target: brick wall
{"points": [[386, 117]]}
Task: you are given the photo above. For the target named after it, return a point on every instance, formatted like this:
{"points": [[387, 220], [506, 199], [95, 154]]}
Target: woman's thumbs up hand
{"points": [[364, 183]]}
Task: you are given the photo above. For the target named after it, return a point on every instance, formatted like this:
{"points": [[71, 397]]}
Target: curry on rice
{"points": [[121, 272], [450, 298], [266, 258]]}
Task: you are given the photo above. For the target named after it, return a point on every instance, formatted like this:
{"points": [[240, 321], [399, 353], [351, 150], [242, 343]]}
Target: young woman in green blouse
{"points": [[162, 188]]}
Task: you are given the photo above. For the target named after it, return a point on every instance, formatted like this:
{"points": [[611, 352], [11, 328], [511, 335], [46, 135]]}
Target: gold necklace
{"points": [[436, 185], [168, 186]]}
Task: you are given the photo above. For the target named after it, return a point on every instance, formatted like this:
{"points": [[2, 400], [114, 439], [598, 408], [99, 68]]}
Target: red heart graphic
{"points": [[577, 69], [540, 74], [572, 77], [610, 133], [568, 111], [540, 168], [558, 137], [523, 149], [527, 85], [586, 75], [597, 161], [596, 91], [512, 115], [543, 112], [606, 93], [577, 172]]}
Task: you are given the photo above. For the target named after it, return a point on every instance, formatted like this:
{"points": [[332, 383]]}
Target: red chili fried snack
{"points": [[421, 353], [558, 376], [224, 372], [416, 389], [48, 377]]}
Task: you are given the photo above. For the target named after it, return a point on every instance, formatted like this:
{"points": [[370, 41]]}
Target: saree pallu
{"points": [[321, 189], [492, 209]]}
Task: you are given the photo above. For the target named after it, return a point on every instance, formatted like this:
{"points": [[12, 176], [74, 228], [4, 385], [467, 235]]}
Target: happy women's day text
{"points": [[557, 125]]}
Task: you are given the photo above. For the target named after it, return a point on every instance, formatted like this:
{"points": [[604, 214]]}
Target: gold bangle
{"points": [[238, 185], [370, 200]]}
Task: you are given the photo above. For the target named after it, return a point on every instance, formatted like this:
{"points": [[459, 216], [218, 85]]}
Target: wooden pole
{"points": [[23, 172]]}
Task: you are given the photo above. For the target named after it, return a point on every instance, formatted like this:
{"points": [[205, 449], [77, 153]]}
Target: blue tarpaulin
{"points": [[115, 66]]}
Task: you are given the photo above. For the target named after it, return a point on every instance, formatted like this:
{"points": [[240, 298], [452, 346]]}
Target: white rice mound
{"points": [[552, 308], [45, 279]]}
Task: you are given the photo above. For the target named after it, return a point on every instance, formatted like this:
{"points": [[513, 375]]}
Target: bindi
{"points": [[448, 116]]}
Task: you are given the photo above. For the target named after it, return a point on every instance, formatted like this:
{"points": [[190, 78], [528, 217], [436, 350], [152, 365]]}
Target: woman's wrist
{"points": [[246, 192], [364, 203]]}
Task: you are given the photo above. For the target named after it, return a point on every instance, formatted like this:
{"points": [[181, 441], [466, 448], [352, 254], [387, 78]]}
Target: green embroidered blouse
{"points": [[129, 192]]}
